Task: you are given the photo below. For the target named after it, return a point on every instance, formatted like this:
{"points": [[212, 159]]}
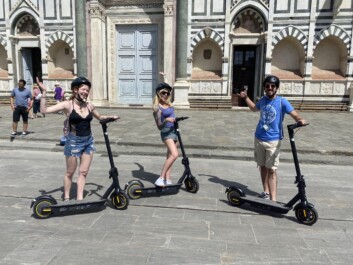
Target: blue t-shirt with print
{"points": [[272, 114], [21, 96]]}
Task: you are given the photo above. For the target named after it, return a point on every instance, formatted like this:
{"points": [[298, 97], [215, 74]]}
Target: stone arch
{"points": [[291, 31], [59, 35], [333, 30], [249, 20], [207, 33]]}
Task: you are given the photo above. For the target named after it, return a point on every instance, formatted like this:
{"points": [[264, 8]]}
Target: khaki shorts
{"points": [[267, 153]]}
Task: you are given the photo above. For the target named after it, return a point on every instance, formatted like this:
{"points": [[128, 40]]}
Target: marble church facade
{"points": [[209, 49]]}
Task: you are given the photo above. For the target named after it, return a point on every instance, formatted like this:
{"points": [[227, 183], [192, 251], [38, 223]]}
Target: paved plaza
{"points": [[185, 228]]}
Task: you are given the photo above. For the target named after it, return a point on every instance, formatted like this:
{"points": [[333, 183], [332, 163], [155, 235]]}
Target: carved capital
{"points": [[168, 10], [97, 12]]}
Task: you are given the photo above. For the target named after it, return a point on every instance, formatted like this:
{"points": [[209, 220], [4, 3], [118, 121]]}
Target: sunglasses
{"points": [[163, 93], [270, 86]]}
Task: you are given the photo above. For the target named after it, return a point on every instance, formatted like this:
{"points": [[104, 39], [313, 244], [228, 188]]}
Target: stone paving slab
{"points": [[184, 228]]}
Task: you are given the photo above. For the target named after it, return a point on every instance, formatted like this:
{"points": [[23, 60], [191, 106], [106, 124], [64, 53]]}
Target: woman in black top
{"points": [[79, 142]]}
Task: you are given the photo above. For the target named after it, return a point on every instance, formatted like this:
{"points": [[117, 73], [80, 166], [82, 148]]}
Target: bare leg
{"points": [[264, 179], [14, 126], [71, 164], [172, 155], [272, 183], [25, 126], [85, 164]]}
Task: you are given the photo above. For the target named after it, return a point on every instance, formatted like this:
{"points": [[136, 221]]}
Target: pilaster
{"points": [[181, 86], [98, 57]]}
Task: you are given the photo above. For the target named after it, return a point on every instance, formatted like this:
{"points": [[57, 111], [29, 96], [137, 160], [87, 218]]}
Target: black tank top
{"points": [[78, 125]]}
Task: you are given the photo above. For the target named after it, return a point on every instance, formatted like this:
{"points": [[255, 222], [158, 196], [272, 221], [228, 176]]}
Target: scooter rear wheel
{"points": [[234, 198], [119, 200], [40, 208], [307, 215], [191, 184], [131, 191]]}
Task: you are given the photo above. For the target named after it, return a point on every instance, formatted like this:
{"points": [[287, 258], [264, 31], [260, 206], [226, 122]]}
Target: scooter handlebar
{"points": [[177, 119], [296, 125], [107, 120]]}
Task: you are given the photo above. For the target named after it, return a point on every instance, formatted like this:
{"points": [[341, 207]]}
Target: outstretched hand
{"points": [[40, 84]]}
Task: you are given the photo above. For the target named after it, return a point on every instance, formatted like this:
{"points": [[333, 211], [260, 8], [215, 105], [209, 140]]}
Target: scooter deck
{"points": [[265, 204], [159, 191], [77, 206]]}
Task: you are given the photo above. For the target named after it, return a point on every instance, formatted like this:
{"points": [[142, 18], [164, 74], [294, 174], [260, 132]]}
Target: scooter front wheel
{"points": [[119, 200], [191, 184], [234, 198], [41, 208], [306, 215], [134, 190]]}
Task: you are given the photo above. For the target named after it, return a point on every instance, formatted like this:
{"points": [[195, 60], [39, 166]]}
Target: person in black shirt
{"points": [[79, 140]]}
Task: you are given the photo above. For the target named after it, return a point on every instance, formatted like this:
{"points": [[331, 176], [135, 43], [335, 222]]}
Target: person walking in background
{"points": [[163, 112], [269, 132], [21, 103], [58, 93], [36, 93], [79, 142]]}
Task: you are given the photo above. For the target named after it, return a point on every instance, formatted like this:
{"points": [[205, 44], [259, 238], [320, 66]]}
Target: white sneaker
{"points": [[160, 182], [169, 182], [264, 195]]}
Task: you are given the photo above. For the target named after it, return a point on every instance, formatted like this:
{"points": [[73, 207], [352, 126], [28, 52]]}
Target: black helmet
{"points": [[79, 81], [163, 86], [271, 79]]}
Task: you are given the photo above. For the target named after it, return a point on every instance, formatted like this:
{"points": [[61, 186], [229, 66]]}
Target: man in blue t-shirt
{"points": [[21, 102], [269, 132]]}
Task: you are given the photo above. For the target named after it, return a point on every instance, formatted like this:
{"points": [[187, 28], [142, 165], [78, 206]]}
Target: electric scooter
{"points": [[304, 211], [135, 188], [46, 206]]}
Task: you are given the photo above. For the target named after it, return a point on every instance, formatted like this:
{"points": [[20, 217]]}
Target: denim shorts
{"points": [[168, 133], [77, 145]]}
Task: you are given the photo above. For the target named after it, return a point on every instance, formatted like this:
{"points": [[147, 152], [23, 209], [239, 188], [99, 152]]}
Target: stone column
{"points": [[169, 40], [181, 86], [98, 53], [81, 47]]}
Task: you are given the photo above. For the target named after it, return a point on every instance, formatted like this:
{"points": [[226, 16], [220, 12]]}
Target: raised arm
{"points": [[62, 106]]}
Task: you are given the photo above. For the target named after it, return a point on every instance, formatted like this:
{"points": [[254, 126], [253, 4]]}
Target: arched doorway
{"points": [[29, 62], [248, 53]]}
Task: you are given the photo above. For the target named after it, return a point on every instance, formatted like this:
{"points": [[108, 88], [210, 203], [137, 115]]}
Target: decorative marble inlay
{"points": [[326, 88]]}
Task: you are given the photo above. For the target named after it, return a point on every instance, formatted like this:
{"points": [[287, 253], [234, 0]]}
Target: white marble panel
{"points": [[2, 11], [303, 5], [217, 6], [339, 89], [323, 4], [346, 4], [312, 89], [49, 10], [282, 5], [199, 6], [66, 8]]}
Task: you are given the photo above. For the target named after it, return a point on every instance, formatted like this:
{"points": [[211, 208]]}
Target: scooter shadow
{"points": [[141, 174], [227, 184], [73, 194]]}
